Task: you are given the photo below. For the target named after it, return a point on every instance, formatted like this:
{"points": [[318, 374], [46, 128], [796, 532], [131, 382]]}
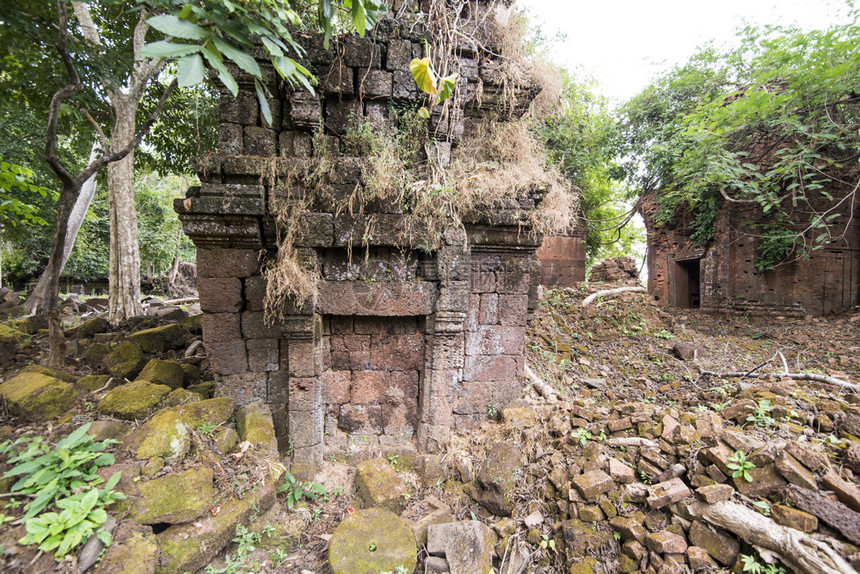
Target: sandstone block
{"points": [[715, 493], [794, 518], [593, 483], [719, 544], [666, 542], [370, 541], [665, 493], [794, 472], [379, 486]]}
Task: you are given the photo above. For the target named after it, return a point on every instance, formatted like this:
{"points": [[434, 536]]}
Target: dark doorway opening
{"points": [[687, 275]]}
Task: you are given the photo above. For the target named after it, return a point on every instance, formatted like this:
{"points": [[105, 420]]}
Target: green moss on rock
{"points": [[95, 325], [124, 361], [175, 498], [94, 353], [92, 382], [205, 389], [379, 485], [62, 375], [178, 397], [135, 400], [254, 423], [134, 551], [38, 397], [371, 541], [162, 372], [158, 339]]}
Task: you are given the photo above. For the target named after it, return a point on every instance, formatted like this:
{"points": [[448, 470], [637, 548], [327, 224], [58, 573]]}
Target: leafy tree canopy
{"points": [[772, 124]]}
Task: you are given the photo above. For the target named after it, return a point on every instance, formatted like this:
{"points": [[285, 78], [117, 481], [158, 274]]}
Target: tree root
{"points": [[631, 289], [794, 548]]}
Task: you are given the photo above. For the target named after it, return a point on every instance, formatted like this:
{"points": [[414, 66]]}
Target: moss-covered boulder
{"points": [[37, 397], [205, 389], [134, 551], [497, 478], [226, 439], [190, 547], [254, 423], [34, 323], [92, 382], [136, 400], [371, 541], [192, 374], [193, 324], [92, 327], [158, 339], [62, 375], [180, 396], [379, 485], [125, 360], [9, 341], [94, 353], [109, 429], [175, 498], [162, 372], [167, 434]]}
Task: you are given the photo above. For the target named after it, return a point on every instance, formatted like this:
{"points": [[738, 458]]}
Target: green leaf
{"points": [[165, 49], [424, 76], [173, 26], [447, 87], [189, 71], [264, 103], [75, 438], [359, 15], [245, 61], [424, 113], [113, 481]]}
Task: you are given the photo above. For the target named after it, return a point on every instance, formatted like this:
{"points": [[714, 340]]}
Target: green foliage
{"points": [[238, 562], [752, 565], [158, 225], [740, 466], [771, 124], [59, 472], [761, 414], [16, 215], [581, 141], [581, 435], [296, 490], [65, 477]]}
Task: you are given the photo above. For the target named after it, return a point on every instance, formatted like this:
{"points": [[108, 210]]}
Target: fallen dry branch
{"points": [[541, 387], [794, 548], [795, 376], [590, 299], [633, 441], [180, 301]]}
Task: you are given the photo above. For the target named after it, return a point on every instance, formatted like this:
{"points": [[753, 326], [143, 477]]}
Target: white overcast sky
{"points": [[625, 43]]}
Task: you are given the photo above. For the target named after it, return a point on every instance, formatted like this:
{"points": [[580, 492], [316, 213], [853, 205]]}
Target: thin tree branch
{"points": [[102, 137]]}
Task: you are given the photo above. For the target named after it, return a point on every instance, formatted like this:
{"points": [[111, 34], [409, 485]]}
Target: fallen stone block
{"points": [[666, 493], [371, 541], [719, 544], [378, 485], [466, 546], [593, 483]]}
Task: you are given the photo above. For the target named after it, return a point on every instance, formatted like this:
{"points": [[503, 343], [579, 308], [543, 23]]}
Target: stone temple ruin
{"points": [[401, 344]]}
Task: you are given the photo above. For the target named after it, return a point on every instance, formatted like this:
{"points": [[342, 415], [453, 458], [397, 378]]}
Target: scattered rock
{"points": [[125, 360], [497, 478], [37, 397], [379, 486], [131, 401], [158, 339], [175, 498], [466, 546], [161, 372], [371, 541]]}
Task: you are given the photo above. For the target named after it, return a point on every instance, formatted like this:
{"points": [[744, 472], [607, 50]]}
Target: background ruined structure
{"points": [[403, 342], [721, 276]]}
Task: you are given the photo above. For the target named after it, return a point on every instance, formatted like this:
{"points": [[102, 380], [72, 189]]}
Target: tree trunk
{"points": [[76, 219], [124, 290]]}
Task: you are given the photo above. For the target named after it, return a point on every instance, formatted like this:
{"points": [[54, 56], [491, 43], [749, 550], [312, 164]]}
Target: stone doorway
{"points": [[687, 283]]}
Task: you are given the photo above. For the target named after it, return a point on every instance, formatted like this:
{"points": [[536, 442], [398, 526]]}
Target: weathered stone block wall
{"points": [[828, 281], [562, 260], [400, 344]]}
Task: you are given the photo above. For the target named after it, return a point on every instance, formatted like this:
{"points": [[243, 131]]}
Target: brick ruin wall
{"points": [[400, 346], [562, 259], [728, 280]]}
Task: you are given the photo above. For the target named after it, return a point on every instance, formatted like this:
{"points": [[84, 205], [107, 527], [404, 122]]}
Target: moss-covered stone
{"points": [[7, 332], [158, 339], [371, 541], [254, 423], [124, 361], [167, 434], [135, 400], [178, 397], [584, 566], [109, 429], [162, 372], [192, 374], [497, 478], [226, 439], [95, 325], [134, 551], [62, 375], [9, 341], [279, 529], [152, 466], [190, 547], [92, 382], [378, 485], [33, 324], [95, 353], [205, 389], [37, 397], [193, 324], [175, 498]]}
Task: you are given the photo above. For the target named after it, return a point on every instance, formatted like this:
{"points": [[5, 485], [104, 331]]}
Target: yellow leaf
{"points": [[423, 74]]}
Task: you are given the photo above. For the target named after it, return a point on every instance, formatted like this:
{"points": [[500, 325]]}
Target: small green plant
{"points": [[761, 414], [277, 557], [646, 478], [296, 490], [393, 459], [740, 466], [663, 334], [82, 515], [752, 565], [581, 435], [492, 411], [547, 542], [207, 429], [52, 474], [720, 406], [763, 506], [238, 563]]}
